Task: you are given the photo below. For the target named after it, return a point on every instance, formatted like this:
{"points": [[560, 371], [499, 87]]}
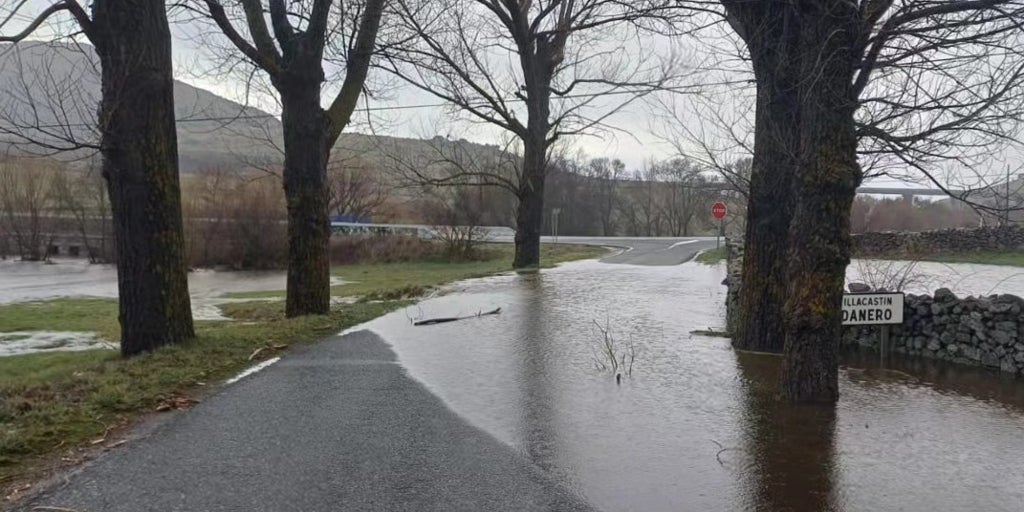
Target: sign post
{"points": [[719, 210], [554, 222], [882, 309]]}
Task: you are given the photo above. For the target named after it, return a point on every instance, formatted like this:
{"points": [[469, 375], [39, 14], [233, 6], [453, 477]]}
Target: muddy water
{"points": [[697, 427]]}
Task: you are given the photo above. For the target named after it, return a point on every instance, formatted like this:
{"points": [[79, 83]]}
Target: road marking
{"points": [[684, 242], [252, 370]]}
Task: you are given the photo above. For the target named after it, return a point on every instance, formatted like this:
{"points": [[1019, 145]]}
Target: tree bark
{"points": [[772, 35], [824, 189], [530, 210], [140, 165], [307, 195]]}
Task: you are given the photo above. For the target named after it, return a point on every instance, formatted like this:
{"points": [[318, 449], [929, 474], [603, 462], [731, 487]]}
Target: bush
{"points": [[235, 220], [350, 250]]}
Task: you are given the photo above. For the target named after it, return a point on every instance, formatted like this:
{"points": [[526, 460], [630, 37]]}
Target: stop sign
{"points": [[719, 210]]}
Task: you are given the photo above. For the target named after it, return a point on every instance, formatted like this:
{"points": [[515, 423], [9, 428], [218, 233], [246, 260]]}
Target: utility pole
{"points": [[554, 222]]}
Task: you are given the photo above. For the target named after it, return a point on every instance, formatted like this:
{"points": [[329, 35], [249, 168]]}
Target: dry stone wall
{"points": [[942, 241], [983, 331]]}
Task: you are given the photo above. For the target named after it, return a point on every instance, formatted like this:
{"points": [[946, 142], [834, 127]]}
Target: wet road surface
{"points": [[656, 251], [519, 412], [337, 427]]}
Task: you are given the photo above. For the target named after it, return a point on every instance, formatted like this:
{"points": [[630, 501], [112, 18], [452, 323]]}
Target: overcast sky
{"points": [[401, 110]]}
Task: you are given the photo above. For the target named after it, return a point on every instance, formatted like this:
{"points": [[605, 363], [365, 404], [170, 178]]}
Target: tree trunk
{"points": [[140, 164], [824, 189], [773, 47], [530, 211], [306, 191]]}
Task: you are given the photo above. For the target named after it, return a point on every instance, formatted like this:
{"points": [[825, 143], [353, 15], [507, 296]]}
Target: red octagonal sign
{"points": [[719, 210]]}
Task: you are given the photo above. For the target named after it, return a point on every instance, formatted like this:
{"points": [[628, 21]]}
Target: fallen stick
{"points": [[443, 320]]}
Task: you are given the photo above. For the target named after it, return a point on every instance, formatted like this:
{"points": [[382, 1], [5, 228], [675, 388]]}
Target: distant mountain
{"points": [[51, 91]]}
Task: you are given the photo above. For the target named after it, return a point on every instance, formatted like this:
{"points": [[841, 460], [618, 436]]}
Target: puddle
{"points": [[697, 426], [32, 342]]}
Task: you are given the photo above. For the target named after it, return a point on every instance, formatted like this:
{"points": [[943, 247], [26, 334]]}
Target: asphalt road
{"points": [[339, 426], [642, 251], [336, 426]]}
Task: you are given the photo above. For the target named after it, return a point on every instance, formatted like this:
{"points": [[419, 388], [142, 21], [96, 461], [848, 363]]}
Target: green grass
{"points": [[403, 280], [92, 315], [712, 256], [1008, 258], [64, 400], [59, 403]]}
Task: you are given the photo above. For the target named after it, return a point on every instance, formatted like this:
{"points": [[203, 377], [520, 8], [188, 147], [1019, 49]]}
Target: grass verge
{"points": [[712, 256], [56, 408], [398, 280], [1007, 258], [60, 403]]}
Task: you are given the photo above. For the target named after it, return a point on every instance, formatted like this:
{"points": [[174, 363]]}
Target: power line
{"points": [[387, 108]]}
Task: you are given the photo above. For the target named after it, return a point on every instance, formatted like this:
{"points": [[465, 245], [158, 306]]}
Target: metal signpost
{"points": [[554, 222], [882, 308], [719, 210]]}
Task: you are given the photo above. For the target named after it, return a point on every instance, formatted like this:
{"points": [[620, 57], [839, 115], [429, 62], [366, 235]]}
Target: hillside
{"points": [[55, 86]]}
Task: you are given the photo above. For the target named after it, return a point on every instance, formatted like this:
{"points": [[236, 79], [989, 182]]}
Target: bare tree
{"points": [[539, 71], [638, 203], [81, 198], [293, 59], [683, 193], [938, 87], [456, 214], [27, 201], [354, 190], [929, 80], [139, 147], [605, 176]]}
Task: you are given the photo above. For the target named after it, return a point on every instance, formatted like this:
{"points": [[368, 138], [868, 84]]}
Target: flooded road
{"points": [[696, 426]]}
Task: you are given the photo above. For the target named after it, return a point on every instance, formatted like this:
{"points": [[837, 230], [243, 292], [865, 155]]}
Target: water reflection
{"points": [[790, 455], [536, 400], [916, 437]]}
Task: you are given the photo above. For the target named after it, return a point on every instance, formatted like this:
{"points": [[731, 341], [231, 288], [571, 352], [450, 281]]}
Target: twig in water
{"points": [[722, 449], [433, 321]]}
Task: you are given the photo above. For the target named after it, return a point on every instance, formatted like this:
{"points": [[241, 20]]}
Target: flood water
{"points": [[22, 281], [697, 425], [33, 342], [924, 277]]}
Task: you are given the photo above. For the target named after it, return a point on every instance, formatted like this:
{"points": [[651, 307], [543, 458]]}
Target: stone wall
{"points": [[941, 241], [983, 331], [974, 330]]}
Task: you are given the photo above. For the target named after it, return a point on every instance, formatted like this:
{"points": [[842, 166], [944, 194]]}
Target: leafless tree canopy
{"points": [[306, 34], [538, 71], [483, 56], [940, 93]]}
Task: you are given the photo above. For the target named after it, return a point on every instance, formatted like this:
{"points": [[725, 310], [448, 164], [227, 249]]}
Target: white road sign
{"points": [[872, 308]]}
